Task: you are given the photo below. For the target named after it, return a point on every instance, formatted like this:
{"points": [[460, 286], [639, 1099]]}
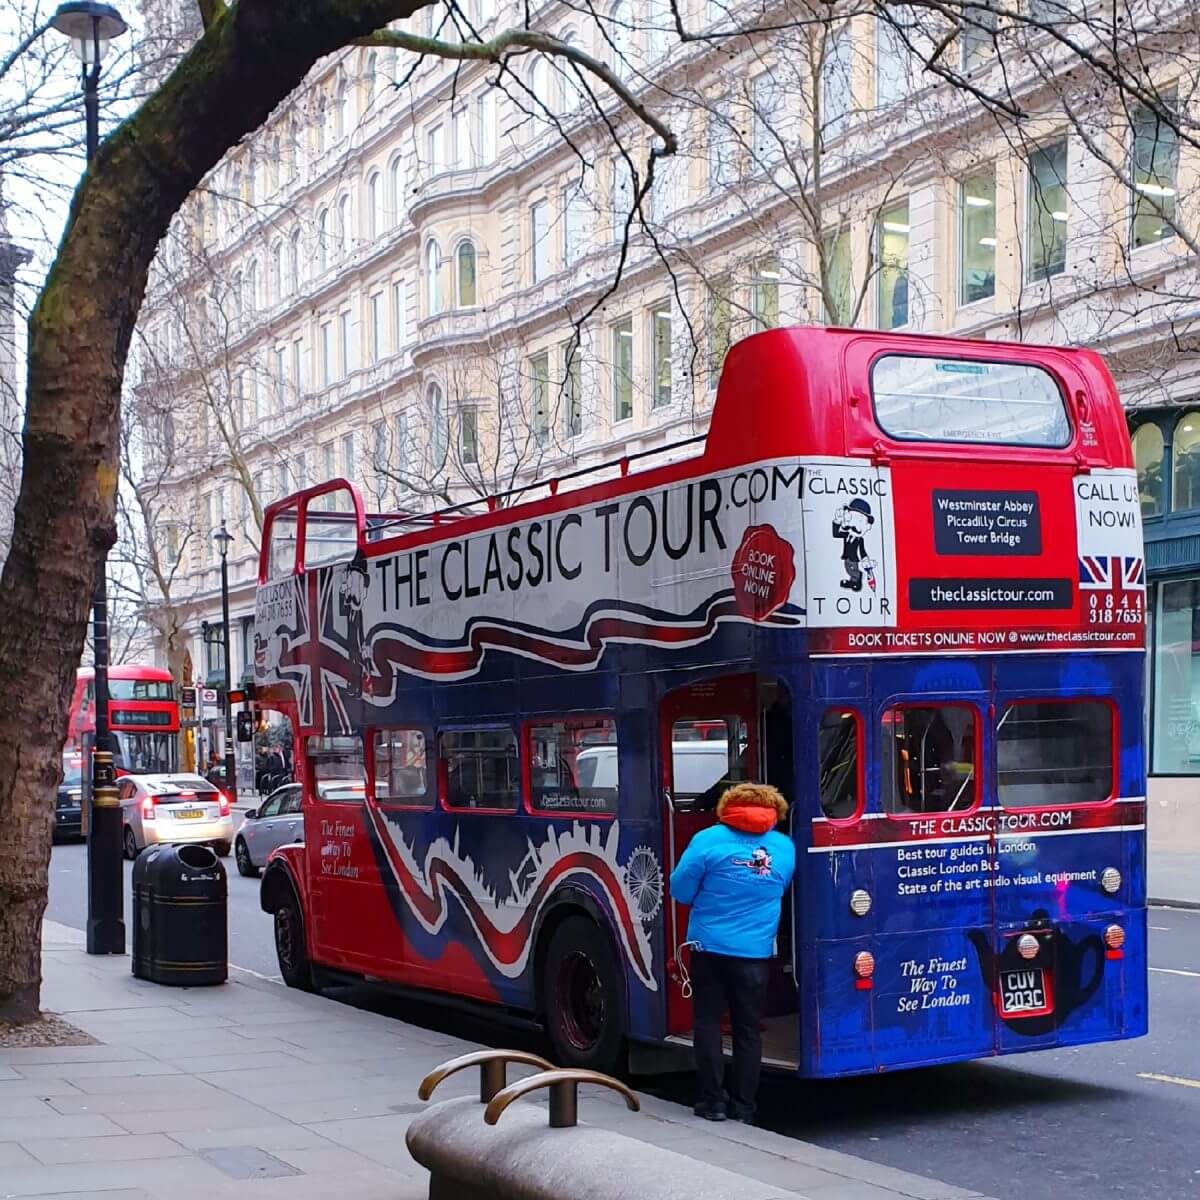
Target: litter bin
{"points": [[180, 918]]}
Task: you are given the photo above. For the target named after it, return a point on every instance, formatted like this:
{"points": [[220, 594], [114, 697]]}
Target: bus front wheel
{"points": [[290, 948], [581, 994]]}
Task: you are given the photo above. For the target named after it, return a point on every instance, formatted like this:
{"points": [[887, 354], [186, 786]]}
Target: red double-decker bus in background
{"points": [[143, 718]]}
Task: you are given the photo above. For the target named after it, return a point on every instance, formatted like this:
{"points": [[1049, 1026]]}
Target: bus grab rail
{"points": [[493, 1071], [564, 1095]]}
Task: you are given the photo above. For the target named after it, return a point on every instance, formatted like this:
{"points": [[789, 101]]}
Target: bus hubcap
{"points": [[581, 1001]]}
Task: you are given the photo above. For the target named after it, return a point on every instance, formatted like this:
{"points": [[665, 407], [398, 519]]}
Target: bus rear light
{"points": [[1027, 946], [1114, 937], [860, 902], [1110, 881], [864, 964]]}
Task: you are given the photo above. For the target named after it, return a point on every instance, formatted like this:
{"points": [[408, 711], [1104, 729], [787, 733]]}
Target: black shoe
{"points": [[744, 1115], [710, 1112]]}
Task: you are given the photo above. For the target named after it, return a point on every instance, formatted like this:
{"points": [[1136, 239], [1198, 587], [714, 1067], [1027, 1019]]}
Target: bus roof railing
{"points": [[495, 500]]}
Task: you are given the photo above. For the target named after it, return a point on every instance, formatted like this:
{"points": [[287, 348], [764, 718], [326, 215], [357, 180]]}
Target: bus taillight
{"points": [[864, 968], [1114, 939]]}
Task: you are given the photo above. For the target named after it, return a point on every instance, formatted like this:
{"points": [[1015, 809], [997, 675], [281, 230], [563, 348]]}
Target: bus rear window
{"points": [[1053, 753], [929, 756], [926, 399]]}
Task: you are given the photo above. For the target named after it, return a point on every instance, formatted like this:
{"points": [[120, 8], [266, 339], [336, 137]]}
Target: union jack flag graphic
{"points": [[1104, 571]]}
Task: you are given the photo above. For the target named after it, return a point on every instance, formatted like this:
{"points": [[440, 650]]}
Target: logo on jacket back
{"points": [[759, 862]]}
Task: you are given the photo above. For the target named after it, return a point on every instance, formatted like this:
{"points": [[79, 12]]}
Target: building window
{"points": [[326, 353], [660, 355], [572, 388], [574, 222], [341, 110], [620, 196], [465, 258], [294, 263], [622, 370], [978, 39], [1046, 211], [343, 223], [399, 325], [837, 300], [539, 397], [396, 171], [977, 237], [348, 465], [1148, 458], [435, 403], [720, 330], [895, 64], [1175, 715], [929, 756], [372, 78], [766, 132], [835, 82], [323, 239], [722, 157], [460, 151], [280, 378], [480, 769], [374, 207], [298, 380], [468, 436], [1185, 475], [573, 766], [764, 297], [891, 250], [375, 326], [539, 240], [277, 271], [1155, 164], [435, 150], [345, 349], [433, 279]]}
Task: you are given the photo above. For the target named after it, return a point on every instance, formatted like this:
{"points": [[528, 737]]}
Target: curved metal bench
{"points": [[514, 1153]]}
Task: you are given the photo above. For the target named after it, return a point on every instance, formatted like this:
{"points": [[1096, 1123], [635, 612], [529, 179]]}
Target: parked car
{"points": [[174, 808], [277, 822], [68, 804]]}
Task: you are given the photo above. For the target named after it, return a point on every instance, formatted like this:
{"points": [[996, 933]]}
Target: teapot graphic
{"points": [[1065, 962]]}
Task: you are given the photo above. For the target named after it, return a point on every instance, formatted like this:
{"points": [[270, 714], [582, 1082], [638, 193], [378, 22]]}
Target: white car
{"points": [[173, 809]]}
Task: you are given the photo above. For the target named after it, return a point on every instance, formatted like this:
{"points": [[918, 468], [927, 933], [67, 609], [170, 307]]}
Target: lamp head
{"points": [[90, 26]]}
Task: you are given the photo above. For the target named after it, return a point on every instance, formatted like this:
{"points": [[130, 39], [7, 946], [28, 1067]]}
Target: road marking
{"points": [[258, 974], [1174, 971], [1177, 1079], [1162, 928]]}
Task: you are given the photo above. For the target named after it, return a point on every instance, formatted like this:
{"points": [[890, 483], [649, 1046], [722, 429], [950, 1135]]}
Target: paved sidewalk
{"points": [[1174, 878], [254, 1092]]}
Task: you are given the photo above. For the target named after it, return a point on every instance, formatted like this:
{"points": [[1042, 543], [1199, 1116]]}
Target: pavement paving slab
{"points": [[249, 1091]]}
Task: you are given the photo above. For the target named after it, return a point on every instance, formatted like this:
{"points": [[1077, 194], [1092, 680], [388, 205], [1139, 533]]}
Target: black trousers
{"points": [[721, 983]]}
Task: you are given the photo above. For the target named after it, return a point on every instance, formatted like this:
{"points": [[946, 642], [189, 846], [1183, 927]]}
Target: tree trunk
{"points": [[252, 57]]}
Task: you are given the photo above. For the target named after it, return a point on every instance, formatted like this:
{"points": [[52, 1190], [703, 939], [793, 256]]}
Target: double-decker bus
{"points": [[901, 579], [143, 716]]}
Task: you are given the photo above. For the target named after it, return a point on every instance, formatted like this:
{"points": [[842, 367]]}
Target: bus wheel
{"points": [[289, 943], [130, 843], [581, 992]]}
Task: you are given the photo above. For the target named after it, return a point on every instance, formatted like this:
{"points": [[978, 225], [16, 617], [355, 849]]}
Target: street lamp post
{"points": [[224, 538], [91, 26]]}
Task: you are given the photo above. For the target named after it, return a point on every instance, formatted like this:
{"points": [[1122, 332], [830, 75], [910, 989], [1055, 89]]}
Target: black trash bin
{"points": [[180, 916]]}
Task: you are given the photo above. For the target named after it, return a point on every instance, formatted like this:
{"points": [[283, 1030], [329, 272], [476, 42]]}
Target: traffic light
{"points": [[245, 726]]}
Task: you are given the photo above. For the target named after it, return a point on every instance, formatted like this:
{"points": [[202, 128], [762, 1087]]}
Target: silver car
{"points": [[278, 822], [173, 808]]}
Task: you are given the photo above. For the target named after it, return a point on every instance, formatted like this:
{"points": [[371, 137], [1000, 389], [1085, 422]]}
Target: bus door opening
{"points": [[715, 734]]}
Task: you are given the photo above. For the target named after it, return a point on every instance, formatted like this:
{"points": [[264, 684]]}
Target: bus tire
{"points": [[582, 993], [290, 947]]}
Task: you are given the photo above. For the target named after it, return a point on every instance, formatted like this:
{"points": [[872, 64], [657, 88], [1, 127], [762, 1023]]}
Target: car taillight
{"points": [[223, 801], [148, 808]]}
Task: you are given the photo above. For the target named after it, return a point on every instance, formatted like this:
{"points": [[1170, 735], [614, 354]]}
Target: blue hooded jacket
{"points": [[734, 882]]}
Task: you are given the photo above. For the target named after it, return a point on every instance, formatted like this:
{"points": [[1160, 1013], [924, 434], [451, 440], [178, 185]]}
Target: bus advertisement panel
{"points": [[902, 582]]}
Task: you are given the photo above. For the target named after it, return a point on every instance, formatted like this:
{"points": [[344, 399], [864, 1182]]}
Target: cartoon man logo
{"points": [[851, 523], [351, 594], [759, 862]]}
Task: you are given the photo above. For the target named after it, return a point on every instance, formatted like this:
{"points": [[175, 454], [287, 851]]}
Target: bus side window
{"points": [[400, 774], [928, 758], [839, 740], [572, 766], [479, 769]]}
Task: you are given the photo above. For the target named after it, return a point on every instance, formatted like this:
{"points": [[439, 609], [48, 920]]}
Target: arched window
{"points": [[465, 259], [433, 279], [238, 295], [620, 35], [439, 440], [294, 263], [374, 207], [539, 85], [1148, 459], [323, 239], [322, 120], [252, 293], [343, 226], [396, 188], [1185, 473], [372, 78], [273, 166], [277, 271], [341, 109], [570, 94]]}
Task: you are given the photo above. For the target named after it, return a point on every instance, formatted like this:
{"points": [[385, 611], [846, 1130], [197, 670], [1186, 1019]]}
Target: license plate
{"points": [[189, 814], [1022, 991]]}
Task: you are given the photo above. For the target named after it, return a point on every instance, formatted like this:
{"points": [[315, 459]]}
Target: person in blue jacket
{"points": [[733, 875]]}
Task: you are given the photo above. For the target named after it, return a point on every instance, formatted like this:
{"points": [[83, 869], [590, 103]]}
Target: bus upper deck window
{"points": [[926, 399], [400, 772], [481, 769], [929, 754], [338, 770], [573, 766], [1054, 752], [838, 740]]}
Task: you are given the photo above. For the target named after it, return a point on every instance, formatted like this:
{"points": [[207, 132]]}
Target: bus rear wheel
{"points": [[581, 994], [290, 948]]}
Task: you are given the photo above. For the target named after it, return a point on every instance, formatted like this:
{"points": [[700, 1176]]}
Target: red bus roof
{"points": [[156, 674]]}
